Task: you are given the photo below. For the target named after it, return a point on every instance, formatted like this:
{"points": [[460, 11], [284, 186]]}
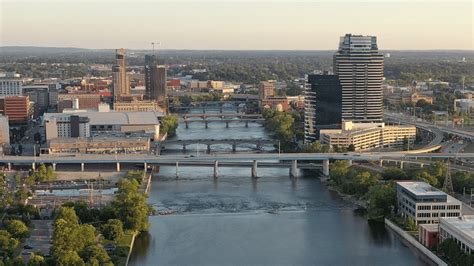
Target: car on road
{"points": [[27, 246]]}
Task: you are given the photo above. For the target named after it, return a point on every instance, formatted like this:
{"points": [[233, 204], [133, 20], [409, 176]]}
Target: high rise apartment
{"points": [[359, 66]]}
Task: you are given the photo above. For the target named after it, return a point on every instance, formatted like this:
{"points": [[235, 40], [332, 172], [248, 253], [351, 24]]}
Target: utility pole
{"points": [[448, 182]]}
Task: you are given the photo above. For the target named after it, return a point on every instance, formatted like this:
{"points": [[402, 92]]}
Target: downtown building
{"points": [[322, 105], [359, 66], [121, 85], [155, 80], [346, 109]]}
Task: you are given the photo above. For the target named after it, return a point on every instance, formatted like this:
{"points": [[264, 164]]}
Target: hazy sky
{"points": [[244, 24]]}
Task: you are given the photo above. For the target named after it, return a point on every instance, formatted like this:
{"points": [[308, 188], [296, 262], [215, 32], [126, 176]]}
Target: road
{"points": [[140, 158], [409, 120]]}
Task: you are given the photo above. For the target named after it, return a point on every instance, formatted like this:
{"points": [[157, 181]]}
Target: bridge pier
{"points": [[234, 147], [177, 170], [54, 166], [227, 124], [294, 168], [208, 148], [145, 166], [422, 165], [246, 123], [349, 162], [254, 169], [9, 165], [326, 167], [401, 164], [216, 169], [118, 167], [184, 147], [220, 110], [82, 167], [187, 124], [33, 166], [381, 163], [207, 124]]}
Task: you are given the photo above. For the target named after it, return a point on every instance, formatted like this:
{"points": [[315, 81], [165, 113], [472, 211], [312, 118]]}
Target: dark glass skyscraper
{"points": [[359, 66], [323, 105]]}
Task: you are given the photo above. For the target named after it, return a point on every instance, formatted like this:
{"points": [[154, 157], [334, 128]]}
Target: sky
{"points": [[237, 24]]}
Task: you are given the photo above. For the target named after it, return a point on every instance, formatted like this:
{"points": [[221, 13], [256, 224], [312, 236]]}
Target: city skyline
{"points": [[236, 25]]}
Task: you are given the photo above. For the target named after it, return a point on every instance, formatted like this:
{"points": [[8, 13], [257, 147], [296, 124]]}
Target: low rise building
{"points": [[137, 106], [464, 106], [69, 125], [276, 103], [98, 145], [461, 229], [365, 136], [425, 204], [428, 235], [407, 97], [85, 100]]}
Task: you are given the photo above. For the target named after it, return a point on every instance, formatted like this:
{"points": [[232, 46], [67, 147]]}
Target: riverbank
{"points": [[414, 243], [350, 198]]}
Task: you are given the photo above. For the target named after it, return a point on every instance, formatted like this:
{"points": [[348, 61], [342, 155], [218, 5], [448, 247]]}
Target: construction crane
{"points": [[448, 182], [153, 45]]}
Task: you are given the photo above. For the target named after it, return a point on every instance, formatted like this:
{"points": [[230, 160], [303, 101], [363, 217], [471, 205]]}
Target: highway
{"points": [[408, 120]]}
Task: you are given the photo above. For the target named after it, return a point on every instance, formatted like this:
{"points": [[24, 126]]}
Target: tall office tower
{"points": [[359, 66], [155, 80], [266, 89], [119, 72], [322, 105]]}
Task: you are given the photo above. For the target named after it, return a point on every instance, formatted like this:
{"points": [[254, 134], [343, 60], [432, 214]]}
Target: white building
{"points": [[464, 105], [424, 203], [10, 87], [461, 229], [364, 136], [90, 123]]}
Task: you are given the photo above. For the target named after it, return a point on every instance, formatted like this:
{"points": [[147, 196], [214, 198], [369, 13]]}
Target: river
{"points": [[272, 220]]}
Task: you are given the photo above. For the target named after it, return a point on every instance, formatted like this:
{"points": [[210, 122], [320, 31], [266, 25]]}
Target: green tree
{"points": [[393, 173], [462, 180], [68, 214], [69, 257], [410, 225], [113, 230], [95, 255], [130, 206], [169, 124], [382, 201], [17, 228], [7, 243], [338, 171], [36, 260]]}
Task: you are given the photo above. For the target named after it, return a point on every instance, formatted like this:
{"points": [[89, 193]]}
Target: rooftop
{"points": [[463, 224], [422, 191], [114, 118]]}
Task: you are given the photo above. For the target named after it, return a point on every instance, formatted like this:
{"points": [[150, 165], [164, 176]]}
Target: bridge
{"points": [[233, 142], [218, 158], [222, 116], [226, 121]]}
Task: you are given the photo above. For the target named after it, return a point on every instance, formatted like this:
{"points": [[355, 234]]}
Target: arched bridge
{"points": [[209, 142]]}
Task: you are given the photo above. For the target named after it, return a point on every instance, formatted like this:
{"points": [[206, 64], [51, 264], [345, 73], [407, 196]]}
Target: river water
{"points": [[273, 220]]}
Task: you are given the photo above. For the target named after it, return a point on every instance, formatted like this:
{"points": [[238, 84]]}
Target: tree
{"points": [[382, 201], [68, 214], [17, 228], [113, 230], [351, 147], [7, 243], [393, 173], [130, 206], [95, 255], [339, 170], [462, 180], [169, 124], [410, 225], [36, 260], [69, 257]]}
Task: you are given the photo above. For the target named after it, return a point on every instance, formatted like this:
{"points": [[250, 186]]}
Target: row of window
{"points": [[435, 214]]}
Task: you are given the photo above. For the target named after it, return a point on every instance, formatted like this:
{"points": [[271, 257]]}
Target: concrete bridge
{"points": [[53, 160], [209, 142], [226, 121], [223, 116]]}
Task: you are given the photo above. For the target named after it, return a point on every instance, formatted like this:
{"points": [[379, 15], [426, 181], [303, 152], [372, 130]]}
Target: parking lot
{"points": [[40, 237]]}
